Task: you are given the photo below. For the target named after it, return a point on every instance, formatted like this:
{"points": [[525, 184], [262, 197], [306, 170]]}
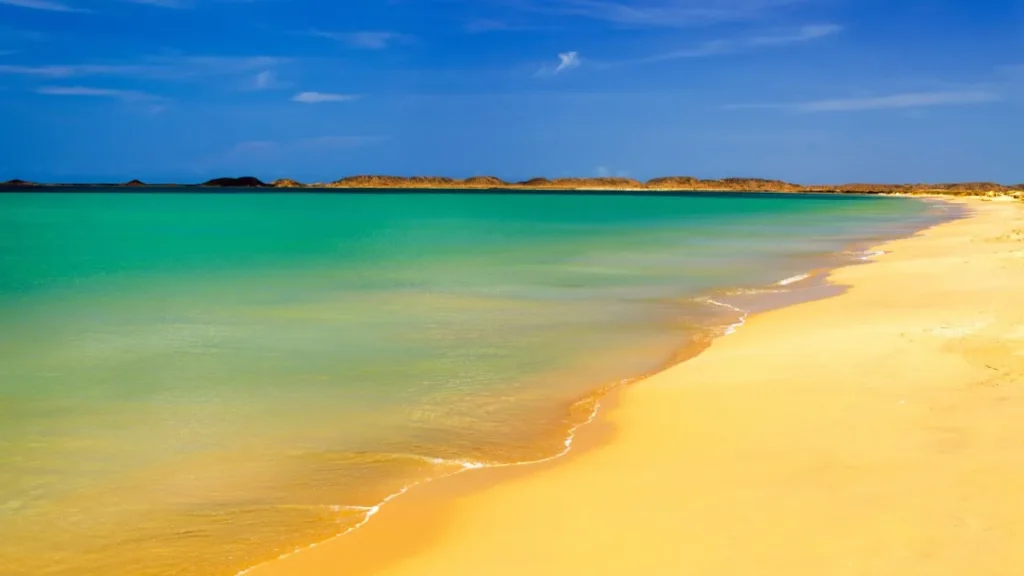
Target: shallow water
{"points": [[193, 383]]}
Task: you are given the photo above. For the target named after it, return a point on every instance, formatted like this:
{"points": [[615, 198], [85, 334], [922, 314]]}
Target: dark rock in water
{"points": [[243, 182], [17, 182], [134, 183]]}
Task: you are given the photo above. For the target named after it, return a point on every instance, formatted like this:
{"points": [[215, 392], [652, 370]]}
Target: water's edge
{"points": [[809, 286]]}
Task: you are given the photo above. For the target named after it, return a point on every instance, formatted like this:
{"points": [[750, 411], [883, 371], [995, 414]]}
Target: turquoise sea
{"points": [[193, 383]]}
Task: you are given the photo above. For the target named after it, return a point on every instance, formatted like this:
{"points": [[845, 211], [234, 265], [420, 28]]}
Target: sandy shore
{"points": [[880, 432]]}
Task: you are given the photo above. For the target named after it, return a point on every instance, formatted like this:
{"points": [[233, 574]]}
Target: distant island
{"points": [[667, 184]]}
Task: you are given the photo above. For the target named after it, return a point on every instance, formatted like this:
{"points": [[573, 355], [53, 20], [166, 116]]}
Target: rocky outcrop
{"points": [[243, 182], [134, 183], [287, 183], [17, 182]]}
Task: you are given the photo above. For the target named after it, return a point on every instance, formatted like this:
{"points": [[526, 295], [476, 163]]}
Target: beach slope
{"points": [[879, 432]]}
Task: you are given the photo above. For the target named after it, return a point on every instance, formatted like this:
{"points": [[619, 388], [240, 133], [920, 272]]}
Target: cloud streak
{"points": [[87, 91], [891, 102], [365, 39], [161, 68], [656, 13], [48, 5], [176, 4], [486, 25], [266, 80], [721, 47], [321, 97]]}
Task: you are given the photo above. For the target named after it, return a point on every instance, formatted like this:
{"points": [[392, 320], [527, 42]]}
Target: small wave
{"points": [[463, 465], [731, 329], [871, 254], [752, 291], [793, 280], [434, 460]]}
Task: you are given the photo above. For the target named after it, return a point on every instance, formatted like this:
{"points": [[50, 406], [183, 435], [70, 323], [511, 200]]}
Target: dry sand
{"points": [[880, 432]]}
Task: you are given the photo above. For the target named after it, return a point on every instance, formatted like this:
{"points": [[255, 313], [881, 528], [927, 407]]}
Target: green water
{"points": [[194, 383]]}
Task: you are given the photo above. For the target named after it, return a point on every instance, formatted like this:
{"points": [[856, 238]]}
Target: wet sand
{"points": [[878, 432]]}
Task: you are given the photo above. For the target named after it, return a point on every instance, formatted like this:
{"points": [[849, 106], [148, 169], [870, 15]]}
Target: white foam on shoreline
{"points": [[735, 326], [464, 465], [793, 280]]}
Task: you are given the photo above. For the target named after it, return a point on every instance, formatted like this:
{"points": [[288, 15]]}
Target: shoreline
{"points": [[490, 185], [591, 432], [895, 450]]}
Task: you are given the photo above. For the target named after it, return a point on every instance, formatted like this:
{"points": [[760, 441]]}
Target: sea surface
{"points": [[192, 384]]}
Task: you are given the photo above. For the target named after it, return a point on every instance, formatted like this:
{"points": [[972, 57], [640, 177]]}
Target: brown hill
{"points": [[535, 182], [676, 182], [484, 182], [287, 183], [597, 183], [134, 183], [374, 181]]}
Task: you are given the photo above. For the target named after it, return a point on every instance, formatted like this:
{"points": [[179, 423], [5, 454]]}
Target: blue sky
{"points": [[804, 90]]}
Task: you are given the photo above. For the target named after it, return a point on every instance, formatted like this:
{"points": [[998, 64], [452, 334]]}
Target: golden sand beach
{"points": [[879, 432]]}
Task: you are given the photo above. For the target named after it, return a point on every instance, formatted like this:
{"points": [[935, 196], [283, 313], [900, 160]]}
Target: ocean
{"points": [[194, 383]]}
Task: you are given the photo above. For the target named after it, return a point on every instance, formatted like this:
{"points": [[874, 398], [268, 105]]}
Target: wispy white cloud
{"points": [[485, 25], [163, 68], [71, 70], [566, 61], [320, 97], [266, 80], [736, 45], [177, 4], [339, 141], [365, 39], [895, 101], [804, 34], [49, 5], [655, 13], [87, 91]]}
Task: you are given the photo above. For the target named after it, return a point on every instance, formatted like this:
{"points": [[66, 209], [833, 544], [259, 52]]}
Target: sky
{"points": [[810, 91]]}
